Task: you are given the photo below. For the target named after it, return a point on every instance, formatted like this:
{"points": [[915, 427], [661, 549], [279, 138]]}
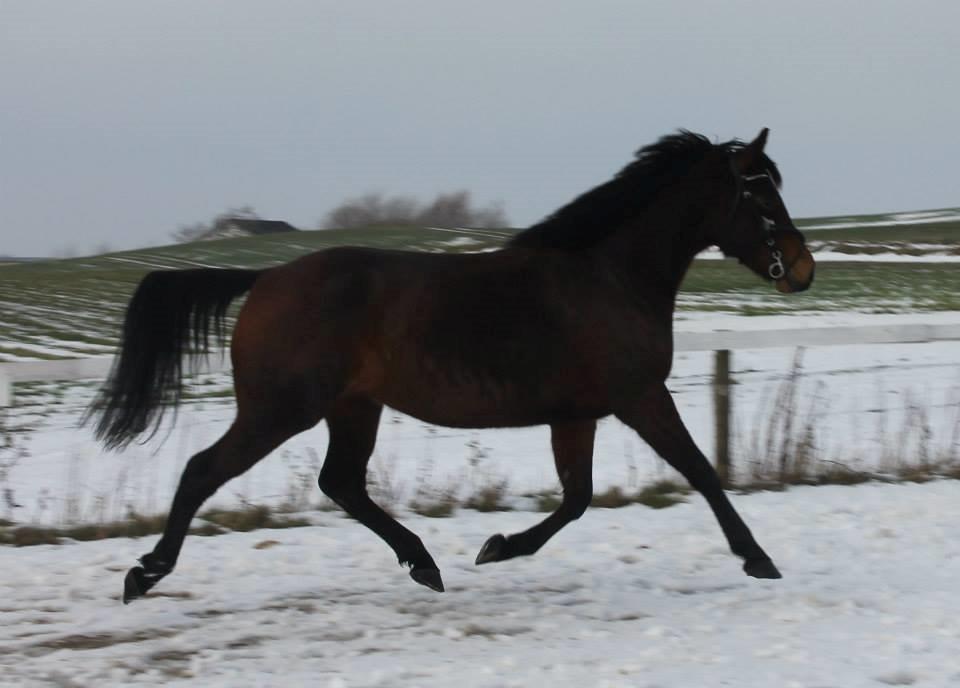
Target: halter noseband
{"points": [[776, 269]]}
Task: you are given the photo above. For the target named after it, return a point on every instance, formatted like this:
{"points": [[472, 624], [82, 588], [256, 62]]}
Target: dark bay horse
{"points": [[570, 322]]}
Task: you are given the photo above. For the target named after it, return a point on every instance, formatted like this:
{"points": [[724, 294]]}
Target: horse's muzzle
{"points": [[792, 283]]}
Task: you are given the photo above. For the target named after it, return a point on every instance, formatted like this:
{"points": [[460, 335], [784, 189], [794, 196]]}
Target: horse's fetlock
{"points": [[577, 504], [333, 489], [156, 566]]}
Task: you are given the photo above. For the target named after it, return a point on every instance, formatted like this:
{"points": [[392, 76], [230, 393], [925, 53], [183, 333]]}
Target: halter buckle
{"points": [[776, 269]]}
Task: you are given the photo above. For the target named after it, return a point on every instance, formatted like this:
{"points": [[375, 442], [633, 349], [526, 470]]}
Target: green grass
{"points": [[71, 308], [723, 285], [885, 228]]}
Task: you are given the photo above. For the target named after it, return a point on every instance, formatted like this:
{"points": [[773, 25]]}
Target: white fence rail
{"points": [[816, 336], [720, 342], [98, 368]]}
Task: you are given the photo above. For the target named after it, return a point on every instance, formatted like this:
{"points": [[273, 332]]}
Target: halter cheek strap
{"points": [[776, 269]]}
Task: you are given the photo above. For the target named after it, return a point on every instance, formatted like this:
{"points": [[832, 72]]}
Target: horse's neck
{"points": [[654, 253]]}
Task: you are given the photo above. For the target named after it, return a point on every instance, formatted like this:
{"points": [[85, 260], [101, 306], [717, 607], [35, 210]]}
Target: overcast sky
{"points": [[121, 121]]}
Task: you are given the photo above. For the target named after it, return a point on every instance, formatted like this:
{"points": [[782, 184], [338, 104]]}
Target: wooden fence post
{"points": [[721, 413]]}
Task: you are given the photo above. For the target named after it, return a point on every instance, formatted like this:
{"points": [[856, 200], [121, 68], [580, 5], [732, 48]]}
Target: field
{"points": [[71, 308], [933, 230], [641, 595]]}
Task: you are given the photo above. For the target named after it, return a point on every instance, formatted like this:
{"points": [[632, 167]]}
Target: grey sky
{"points": [[122, 120]]}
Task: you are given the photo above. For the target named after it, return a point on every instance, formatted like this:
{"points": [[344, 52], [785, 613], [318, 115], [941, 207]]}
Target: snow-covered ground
{"points": [[859, 398], [930, 253], [626, 597]]}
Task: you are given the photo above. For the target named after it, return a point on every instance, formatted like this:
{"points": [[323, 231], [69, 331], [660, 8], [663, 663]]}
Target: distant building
{"points": [[232, 227]]}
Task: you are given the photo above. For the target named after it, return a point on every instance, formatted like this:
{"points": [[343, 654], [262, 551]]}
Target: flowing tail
{"points": [[172, 313]]}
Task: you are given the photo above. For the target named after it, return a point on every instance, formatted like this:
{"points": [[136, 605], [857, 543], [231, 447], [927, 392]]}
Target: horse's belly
{"points": [[487, 405]]}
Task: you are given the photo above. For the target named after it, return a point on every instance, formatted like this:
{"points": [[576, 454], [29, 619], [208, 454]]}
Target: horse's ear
{"points": [[750, 155]]}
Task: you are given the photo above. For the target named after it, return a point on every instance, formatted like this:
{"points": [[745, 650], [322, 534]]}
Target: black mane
{"points": [[591, 217]]}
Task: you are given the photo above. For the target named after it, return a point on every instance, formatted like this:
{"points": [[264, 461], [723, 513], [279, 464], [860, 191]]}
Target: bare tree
{"points": [[188, 233], [454, 209]]}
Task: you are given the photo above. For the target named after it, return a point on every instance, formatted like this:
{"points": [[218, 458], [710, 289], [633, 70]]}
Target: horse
{"points": [[569, 322]]}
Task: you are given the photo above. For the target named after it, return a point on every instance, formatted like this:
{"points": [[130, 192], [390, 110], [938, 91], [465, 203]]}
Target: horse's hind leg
{"points": [[248, 440], [353, 423], [655, 418], [573, 453]]}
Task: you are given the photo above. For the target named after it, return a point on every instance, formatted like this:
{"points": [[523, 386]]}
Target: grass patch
{"points": [[79, 302], [26, 536], [862, 287], [208, 530], [489, 497], [882, 229], [218, 521], [662, 494], [547, 502], [833, 473], [251, 518], [838, 474], [136, 525], [434, 508], [659, 495], [612, 498], [787, 447]]}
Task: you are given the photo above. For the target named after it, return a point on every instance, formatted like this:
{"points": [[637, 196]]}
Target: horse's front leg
{"points": [[654, 416], [573, 454]]}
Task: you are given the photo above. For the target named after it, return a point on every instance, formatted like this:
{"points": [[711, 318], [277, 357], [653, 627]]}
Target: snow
{"points": [[862, 397], [460, 241], [891, 257], [626, 597], [928, 255]]}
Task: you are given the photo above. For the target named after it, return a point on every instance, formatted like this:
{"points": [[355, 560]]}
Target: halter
{"points": [[776, 269]]}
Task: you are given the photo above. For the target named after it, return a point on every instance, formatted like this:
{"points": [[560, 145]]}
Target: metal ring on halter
{"points": [[776, 269]]}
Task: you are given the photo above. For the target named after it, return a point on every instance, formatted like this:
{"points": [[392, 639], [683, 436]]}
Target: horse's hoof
{"points": [[134, 585], [492, 550], [761, 568], [429, 577]]}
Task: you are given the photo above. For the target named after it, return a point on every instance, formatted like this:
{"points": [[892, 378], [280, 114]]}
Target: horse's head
{"points": [[758, 230]]}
